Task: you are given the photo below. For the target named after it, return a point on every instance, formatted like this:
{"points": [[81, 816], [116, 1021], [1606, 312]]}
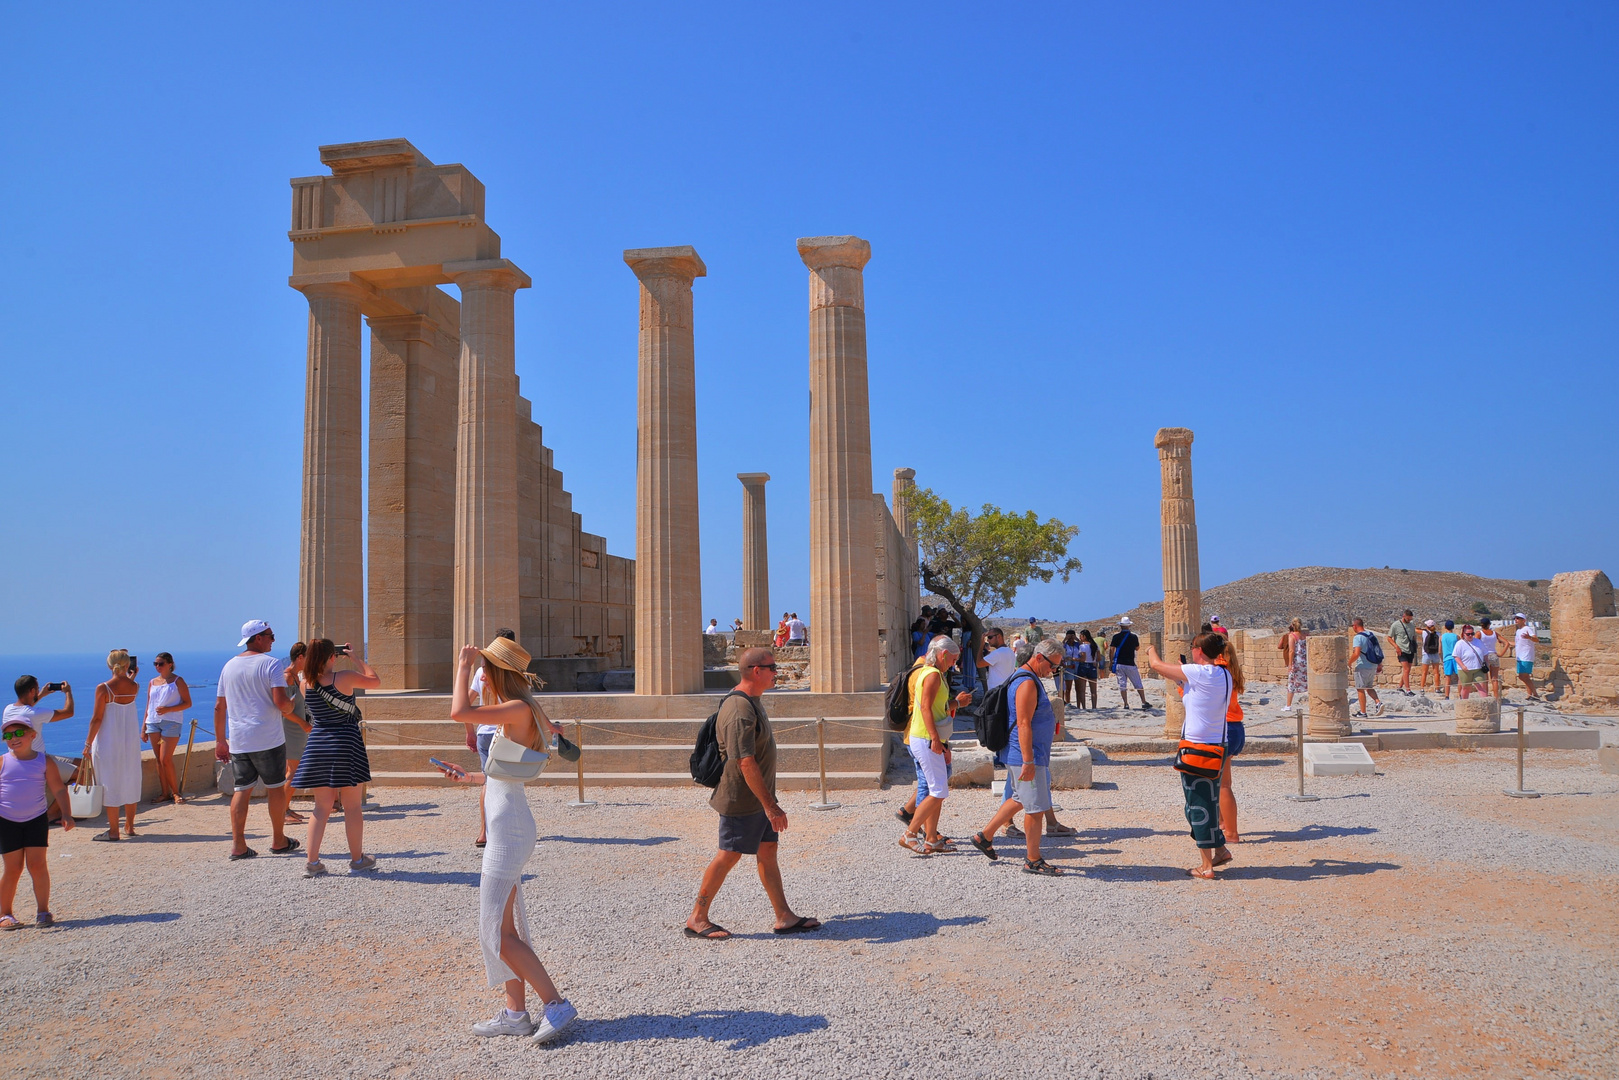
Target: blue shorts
{"points": [[169, 729], [1526, 667], [1450, 668], [1236, 737], [743, 833], [483, 748]]}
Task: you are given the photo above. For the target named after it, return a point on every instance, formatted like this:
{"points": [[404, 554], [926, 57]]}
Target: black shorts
{"points": [[268, 767], [16, 835], [743, 833], [1408, 657]]}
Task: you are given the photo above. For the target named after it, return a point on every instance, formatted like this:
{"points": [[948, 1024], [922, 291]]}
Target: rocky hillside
{"points": [[1327, 597]]}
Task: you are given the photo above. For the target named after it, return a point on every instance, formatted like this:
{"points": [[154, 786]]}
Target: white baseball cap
{"points": [[1521, 615], [1214, 618], [251, 629], [1124, 620], [1428, 623]]}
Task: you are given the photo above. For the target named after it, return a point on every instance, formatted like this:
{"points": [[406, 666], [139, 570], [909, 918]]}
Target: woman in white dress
{"points": [[508, 958], [113, 744]]}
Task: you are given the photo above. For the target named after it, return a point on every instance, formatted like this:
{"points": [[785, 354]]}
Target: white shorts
{"points": [[1129, 675], [1431, 659], [930, 768]]}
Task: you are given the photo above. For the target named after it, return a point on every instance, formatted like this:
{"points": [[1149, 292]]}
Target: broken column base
{"points": [[1478, 715]]}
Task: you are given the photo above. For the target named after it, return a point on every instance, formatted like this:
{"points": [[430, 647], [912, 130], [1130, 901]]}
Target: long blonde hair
{"points": [[510, 686], [1235, 666]]}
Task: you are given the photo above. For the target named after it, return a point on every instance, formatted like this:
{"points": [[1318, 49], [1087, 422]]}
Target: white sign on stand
{"points": [[1337, 759]]}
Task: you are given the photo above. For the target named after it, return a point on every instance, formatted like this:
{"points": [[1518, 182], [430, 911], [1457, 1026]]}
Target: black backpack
{"points": [[897, 699], [1430, 642], [994, 723], [707, 760]]}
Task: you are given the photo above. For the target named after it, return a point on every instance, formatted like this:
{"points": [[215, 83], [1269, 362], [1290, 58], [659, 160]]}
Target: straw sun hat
{"points": [[507, 654]]}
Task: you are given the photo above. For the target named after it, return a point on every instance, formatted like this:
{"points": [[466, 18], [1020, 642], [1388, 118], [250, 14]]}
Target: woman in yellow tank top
{"points": [[929, 744]]}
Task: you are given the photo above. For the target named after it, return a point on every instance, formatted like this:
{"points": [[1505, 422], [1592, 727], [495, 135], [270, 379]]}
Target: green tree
{"points": [[978, 563]]}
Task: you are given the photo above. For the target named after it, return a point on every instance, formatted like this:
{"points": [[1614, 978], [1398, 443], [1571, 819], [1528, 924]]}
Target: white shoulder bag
{"points": [[512, 761], [86, 798]]}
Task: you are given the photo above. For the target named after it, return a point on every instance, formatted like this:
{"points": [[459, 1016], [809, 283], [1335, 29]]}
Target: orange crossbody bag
{"points": [[1203, 759]]}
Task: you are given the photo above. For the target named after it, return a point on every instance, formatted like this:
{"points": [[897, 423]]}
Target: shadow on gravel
{"points": [[179, 838], [411, 854], [428, 877], [119, 920], [738, 1029], [633, 841], [1309, 832], [886, 927], [1318, 869]]}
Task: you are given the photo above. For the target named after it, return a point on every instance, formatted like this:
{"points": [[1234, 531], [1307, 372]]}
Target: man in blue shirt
{"points": [[1028, 758]]}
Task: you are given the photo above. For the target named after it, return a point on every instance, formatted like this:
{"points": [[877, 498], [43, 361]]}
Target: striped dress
{"points": [[335, 755]]}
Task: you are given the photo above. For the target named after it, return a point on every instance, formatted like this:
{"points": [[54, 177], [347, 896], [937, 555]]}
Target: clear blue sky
{"points": [[1369, 253]]}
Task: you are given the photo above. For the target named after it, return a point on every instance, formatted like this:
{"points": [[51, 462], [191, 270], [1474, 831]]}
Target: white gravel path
{"points": [[1415, 923]]}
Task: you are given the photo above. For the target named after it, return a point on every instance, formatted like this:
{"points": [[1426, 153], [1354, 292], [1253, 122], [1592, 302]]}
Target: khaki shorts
{"points": [[1365, 676], [1471, 677]]}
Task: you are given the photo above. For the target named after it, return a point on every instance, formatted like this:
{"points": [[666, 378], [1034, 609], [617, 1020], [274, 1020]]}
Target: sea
{"points": [[83, 671]]}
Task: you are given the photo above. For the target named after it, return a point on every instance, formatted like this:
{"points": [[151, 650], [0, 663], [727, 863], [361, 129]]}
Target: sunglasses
{"points": [[21, 733], [767, 667]]}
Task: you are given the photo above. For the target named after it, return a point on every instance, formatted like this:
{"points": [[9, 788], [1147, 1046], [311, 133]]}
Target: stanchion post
{"points": [[820, 739], [180, 781], [1298, 714], [1520, 793], [579, 767]]}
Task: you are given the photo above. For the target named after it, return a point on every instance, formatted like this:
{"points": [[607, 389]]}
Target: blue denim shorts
{"points": [[169, 729], [1236, 737]]}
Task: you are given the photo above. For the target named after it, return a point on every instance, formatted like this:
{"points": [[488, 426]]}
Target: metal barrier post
{"points": [[820, 738], [1520, 793], [579, 766], [180, 782], [1298, 713]]}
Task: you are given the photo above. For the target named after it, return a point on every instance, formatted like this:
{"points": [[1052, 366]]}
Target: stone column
{"points": [[668, 579], [1183, 596], [755, 553], [1480, 715], [1329, 687], [331, 567], [843, 578], [904, 484], [486, 586]]}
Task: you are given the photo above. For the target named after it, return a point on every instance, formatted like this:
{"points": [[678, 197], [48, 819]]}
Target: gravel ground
{"points": [[1414, 923]]}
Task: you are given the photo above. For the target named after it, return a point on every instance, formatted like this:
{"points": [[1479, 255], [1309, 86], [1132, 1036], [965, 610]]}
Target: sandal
{"points": [[292, 845], [107, 836], [802, 926], [44, 918], [715, 932], [935, 847], [1041, 867], [1221, 862], [292, 817], [1199, 872], [479, 843], [238, 856], [903, 816], [984, 845], [9, 922], [1059, 829], [911, 842]]}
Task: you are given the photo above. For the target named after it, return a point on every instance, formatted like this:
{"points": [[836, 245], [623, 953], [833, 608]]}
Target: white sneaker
{"points": [[558, 1018], [1378, 711], [501, 1024]]}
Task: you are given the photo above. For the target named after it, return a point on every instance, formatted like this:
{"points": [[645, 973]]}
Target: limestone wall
{"points": [[1585, 642], [896, 569]]}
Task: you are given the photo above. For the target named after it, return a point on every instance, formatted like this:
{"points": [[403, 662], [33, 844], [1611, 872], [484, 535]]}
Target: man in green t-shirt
{"points": [[751, 821], [1403, 636]]}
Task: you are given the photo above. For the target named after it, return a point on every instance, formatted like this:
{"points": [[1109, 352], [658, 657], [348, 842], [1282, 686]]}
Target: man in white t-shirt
{"points": [[795, 630], [29, 711], [252, 701], [998, 661], [1489, 647], [1523, 650]]}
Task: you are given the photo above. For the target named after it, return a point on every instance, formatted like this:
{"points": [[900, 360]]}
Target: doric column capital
{"points": [[753, 479], [904, 474], [821, 252], [836, 275], [405, 328], [666, 262], [487, 274], [334, 287], [1173, 439]]}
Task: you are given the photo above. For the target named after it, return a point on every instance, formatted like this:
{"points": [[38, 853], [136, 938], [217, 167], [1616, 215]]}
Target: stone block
{"points": [[1337, 759], [971, 765], [1608, 759], [1070, 767], [619, 680], [1479, 715]]}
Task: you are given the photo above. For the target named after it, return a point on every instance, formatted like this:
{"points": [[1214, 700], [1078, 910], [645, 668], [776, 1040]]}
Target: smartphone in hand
{"points": [[454, 770]]}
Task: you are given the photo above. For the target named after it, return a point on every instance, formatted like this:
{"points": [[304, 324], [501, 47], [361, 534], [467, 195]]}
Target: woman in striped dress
{"points": [[334, 764]]}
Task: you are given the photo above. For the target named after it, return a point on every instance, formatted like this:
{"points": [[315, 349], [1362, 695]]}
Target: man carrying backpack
{"points": [[1366, 658], [1031, 730], [751, 821]]}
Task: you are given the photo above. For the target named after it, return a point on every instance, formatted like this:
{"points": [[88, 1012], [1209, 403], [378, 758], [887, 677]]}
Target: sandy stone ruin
{"points": [[1183, 595]]}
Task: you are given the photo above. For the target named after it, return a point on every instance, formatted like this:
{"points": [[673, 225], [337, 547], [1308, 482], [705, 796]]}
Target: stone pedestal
{"points": [[487, 593], [1183, 596], [755, 553], [668, 579], [1329, 687], [1478, 715], [843, 575], [331, 559]]}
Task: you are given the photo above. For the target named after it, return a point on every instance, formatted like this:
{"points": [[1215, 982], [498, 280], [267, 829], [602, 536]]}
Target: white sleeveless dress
{"points": [[116, 752], [511, 833]]}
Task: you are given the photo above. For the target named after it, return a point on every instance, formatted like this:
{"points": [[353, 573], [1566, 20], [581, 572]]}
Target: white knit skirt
{"points": [[511, 834]]}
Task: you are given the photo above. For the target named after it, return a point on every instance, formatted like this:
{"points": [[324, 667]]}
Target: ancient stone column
{"points": [[1183, 596], [755, 553], [486, 585], [1478, 715], [668, 580], [331, 566], [1329, 687], [843, 576], [904, 484]]}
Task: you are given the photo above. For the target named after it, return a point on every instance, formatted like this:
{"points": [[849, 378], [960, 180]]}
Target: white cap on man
{"points": [[1428, 624], [1521, 615], [1124, 620], [251, 629], [1215, 619]]}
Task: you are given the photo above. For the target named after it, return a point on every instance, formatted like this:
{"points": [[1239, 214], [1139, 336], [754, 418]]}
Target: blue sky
{"points": [[1369, 253]]}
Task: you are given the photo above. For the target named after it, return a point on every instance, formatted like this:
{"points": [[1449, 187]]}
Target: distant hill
{"points": [[1327, 597]]}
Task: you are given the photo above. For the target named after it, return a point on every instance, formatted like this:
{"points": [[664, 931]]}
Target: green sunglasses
{"points": [[18, 733]]}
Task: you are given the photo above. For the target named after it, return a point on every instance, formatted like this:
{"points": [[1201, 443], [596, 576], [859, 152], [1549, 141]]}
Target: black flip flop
{"points": [[713, 933], [239, 856], [292, 845], [799, 927]]}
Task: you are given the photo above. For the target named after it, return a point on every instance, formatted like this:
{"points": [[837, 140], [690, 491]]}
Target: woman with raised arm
{"points": [[167, 699], [1207, 693], [515, 752], [113, 744], [334, 762]]}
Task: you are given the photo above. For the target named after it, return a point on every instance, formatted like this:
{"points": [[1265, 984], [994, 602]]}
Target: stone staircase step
{"points": [[788, 781]]}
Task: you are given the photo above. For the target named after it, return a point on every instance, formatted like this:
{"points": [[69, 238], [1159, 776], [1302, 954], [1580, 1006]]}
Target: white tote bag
{"points": [[512, 761], [86, 798]]}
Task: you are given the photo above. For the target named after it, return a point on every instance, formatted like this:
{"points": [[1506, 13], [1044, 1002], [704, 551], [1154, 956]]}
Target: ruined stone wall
{"points": [[577, 600], [896, 574], [1585, 642]]}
